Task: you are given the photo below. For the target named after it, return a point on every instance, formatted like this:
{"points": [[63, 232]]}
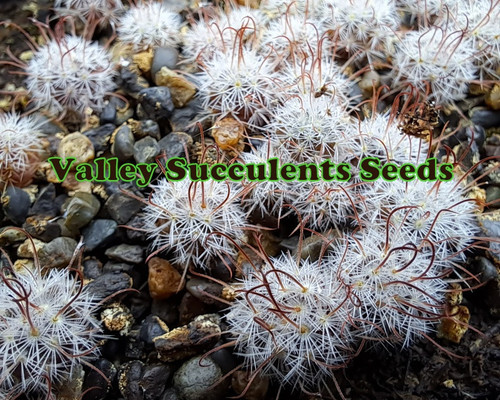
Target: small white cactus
{"points": [[70, 73], [194, 220], [19, 146], [47, 328], [149, 25]]}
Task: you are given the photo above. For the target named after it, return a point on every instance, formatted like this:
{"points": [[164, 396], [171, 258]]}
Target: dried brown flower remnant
{"points": [[421, 121]]}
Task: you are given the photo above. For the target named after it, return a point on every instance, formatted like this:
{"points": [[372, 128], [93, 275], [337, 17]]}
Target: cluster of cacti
{"points": [[48, 327]]}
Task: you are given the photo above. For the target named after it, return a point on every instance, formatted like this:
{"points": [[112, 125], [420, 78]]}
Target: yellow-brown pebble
{"points": [[78, 146], [117, 318], [181, 89], [493, 98], [164, 280], [143, 60], [454, 327], [228, 133]]}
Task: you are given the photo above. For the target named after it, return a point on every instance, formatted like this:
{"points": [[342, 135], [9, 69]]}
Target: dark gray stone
{"points": [[118, 267], [154, 379], [44, 204], [198, 287], [156, 102], [136, 235], [485, 118], [108, 114], [151, 327], [183, 119], [175, 144], [92, 268], [170, 394], [79, 210], [41, 227], [164, 57], [145, 150], [193, 380], [109, 283], [123, 144], [16, 204], [95, 386], [148, 127], [493, 194], [133, 83], [100, 137], [99, 233], [129, 377], [127, 253], [122, 207], [57, 253]]}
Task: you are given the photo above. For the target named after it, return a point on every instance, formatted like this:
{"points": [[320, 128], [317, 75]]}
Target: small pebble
{"points": [[170, 394], [92, 268], [109, 283], [25, 249], [122, 207], [128, 253], [99, 233], [195, 378], [108, 115], [123, 143], [452, 330], [95, 386], [10, 236], [76, 145], [144, 128], [143, 60], [132, 82], [79, 210], [487, 271], [369, 81], [492, 195], [182, 118], [16, 204], [228, 134], [490, 224], [42, 227], [136, 235], [485, 118], [151, 327], [200, 287], [164, 57], [156, 103], [181, 89], [44, 204], [134, 348], [57, 253], [164, 280], [117, 318], [175, 144], [198, 336], [129, 376], [492, 99], [154, 380], [118, 267], [100, 137], [145, 150], [123, 114]]}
